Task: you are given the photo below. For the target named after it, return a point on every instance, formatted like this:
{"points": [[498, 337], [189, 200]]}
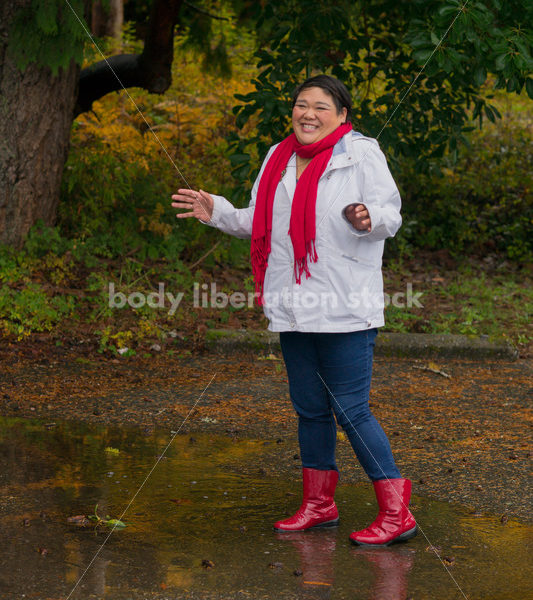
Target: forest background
{"points": [[465, 244]]}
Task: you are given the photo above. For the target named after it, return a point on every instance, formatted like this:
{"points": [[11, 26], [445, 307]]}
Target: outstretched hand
{"points": [[199, 204], [359, 217]]}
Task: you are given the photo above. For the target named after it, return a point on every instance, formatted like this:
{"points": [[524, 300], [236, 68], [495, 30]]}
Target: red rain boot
{"points": [[318, 508], [394, 522]]}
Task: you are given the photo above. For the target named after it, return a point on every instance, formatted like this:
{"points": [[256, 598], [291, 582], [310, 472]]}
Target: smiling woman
{"points": [[321, 208], [315, 116]]}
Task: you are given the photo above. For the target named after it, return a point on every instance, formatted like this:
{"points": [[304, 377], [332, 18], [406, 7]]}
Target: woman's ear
{"points": [[344, 114]]}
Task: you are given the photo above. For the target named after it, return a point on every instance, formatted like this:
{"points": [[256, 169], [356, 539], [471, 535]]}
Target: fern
{"points": [[47, 33]]}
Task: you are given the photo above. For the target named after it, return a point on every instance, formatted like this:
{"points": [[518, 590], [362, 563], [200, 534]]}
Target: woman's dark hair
{"points": [[333, 87]]}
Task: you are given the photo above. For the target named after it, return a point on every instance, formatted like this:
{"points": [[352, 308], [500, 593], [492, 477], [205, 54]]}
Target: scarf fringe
{"points": [[300, 264], [259, 252]]}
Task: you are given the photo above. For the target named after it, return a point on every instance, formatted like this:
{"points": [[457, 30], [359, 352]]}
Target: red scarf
{"points": [[302, 224]]}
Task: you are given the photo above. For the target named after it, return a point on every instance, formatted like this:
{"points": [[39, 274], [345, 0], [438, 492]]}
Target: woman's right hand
{"points": [[199, 204]]}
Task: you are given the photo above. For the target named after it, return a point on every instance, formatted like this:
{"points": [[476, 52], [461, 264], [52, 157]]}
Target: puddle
{"points": [[196, 510]]}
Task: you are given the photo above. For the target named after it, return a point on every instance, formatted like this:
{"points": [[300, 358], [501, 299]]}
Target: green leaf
{"points": [[422, 55], [448, 10], [496, 111], [529, 87], [239, 159], [524, 50], [116, 523], [480, 75], [501, 61], [490, 114]]}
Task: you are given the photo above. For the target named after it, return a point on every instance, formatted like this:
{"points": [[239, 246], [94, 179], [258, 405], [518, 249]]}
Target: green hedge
{"points": [[482, 203]]}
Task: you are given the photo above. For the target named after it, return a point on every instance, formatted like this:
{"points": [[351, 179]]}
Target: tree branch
{"points": [[150, 70], [205, 12]]}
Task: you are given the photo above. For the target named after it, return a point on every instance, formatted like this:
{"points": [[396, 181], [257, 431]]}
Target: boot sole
{"points": [[320, 525], [406, 535]]}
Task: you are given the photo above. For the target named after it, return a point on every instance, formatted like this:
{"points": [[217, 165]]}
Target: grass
{"points": [[480, 297], [473, 297]]}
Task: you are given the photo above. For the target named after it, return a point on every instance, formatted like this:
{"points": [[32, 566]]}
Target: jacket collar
{"points": [[343, 153], [343, 156]]}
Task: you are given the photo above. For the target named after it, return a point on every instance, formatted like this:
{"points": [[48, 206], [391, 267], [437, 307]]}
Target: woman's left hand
{"points": [[359, 217]]}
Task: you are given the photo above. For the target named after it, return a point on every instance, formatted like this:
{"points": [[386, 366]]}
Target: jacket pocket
{"points": [[351, 259], [355, 286], [359, 261]]}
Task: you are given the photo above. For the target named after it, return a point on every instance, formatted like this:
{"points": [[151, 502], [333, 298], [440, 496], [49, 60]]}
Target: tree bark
{"points": [[150, 70], [107, 20], [36, 111]]}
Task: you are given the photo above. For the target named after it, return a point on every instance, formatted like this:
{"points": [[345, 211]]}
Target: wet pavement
{"points": [[80, 430], [200, 526], [461, 430]]}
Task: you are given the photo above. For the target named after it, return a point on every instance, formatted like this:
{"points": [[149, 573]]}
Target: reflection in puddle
{"points": [[199, 528]]}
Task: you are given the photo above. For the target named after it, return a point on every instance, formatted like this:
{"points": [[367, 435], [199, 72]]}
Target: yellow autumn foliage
{"points": [[134, 149]]}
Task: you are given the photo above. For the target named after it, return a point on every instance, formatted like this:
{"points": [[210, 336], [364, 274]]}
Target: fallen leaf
{"points": [[79, 520], [208, 420], [433, 368], [269, 357]]}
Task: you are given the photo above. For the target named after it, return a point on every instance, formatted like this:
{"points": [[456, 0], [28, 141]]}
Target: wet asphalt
{"points": [[460, 429]]}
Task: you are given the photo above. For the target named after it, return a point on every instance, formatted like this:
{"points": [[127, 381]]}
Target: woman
{"points": [[321, 208]]}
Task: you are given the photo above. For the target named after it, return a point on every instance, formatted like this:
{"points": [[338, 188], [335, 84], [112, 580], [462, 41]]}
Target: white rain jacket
{"points": [[345, 290]]}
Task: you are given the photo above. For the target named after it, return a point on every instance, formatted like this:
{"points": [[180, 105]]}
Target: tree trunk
{"points": [[151, 70], [36, 112], [107, 19], [35, 119]]}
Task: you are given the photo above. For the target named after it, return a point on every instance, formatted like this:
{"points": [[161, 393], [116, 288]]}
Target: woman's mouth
{"points": [[309, 127]]}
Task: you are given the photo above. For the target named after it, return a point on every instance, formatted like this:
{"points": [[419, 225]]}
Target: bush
{"points": [[32, 309], [483, 203]]}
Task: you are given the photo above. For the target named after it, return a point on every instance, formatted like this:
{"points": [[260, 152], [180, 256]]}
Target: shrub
{"points": [[482, 203]]}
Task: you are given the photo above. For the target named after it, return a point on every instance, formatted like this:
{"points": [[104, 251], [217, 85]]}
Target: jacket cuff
{"points": [[353, 230], [214, 215]]}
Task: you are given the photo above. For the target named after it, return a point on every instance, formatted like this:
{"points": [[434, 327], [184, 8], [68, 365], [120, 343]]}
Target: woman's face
{"points": [[315, 116]]}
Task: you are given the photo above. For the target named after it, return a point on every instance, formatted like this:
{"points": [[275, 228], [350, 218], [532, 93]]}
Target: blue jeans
{"points": [[330, 374]]}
